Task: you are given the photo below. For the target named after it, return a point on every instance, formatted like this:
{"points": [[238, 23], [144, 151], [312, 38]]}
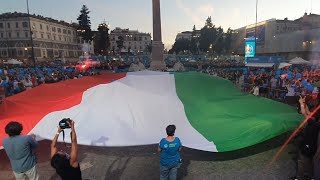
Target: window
{"points": [[20, 53], [17, 25], [42, 36], [53, 29], [41, 26], [49, 37], [59, 30], [47, 28], [8, 25], [69, 32], [9, 34], [26, 34], [54, 37], [145, 38], [1, 35], [278, 27], [59, 38], [18, 34], [64, 31], [140, 38], [24, 24], [1, 25], [65, 39], [4, 53]]}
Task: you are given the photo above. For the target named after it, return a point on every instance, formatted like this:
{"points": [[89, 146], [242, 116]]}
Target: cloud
{"points": [[196, 14]]}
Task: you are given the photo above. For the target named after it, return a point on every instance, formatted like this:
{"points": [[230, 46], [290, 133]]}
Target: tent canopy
{"points": [[267, 65], [299, 60], [282, 65], [13, 61]]}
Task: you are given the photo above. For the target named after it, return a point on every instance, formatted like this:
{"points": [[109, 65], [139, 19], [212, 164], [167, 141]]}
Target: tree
{"points": [[209, 23], [84, 28], [227, 40], [194, 40], [103, 41], [180, 45], [208, 35], [218, 44], [120, 43]]}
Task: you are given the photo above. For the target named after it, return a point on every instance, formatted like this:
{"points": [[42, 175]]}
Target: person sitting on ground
{"points": [[19, 150], [170, 159], [66, 166]]}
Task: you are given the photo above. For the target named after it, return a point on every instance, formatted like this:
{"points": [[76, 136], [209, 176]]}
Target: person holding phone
{"points": [[66, 166]]}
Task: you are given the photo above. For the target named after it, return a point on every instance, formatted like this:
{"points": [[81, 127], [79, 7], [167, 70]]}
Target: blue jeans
{"points": [[169, 173]]}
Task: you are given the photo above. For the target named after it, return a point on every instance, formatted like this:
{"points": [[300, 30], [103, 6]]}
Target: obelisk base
{"points": [[157, 60]]}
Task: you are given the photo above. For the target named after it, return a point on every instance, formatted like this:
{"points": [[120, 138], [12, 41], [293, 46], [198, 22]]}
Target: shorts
{"points": [[32, 174]]}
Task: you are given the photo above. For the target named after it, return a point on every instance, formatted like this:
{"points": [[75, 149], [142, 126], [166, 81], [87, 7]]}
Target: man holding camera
{"points": [[66, 166]]}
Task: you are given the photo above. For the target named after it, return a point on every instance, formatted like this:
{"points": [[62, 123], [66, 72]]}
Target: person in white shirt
{"points": [[255, 90], [28, 84]]}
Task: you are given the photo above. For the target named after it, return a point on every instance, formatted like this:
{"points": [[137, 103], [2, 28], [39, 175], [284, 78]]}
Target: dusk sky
{"points": [[177, 15]]}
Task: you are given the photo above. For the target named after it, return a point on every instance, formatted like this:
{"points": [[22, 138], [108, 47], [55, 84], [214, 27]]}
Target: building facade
{"points": [[134, 42], [51, 38], [188, 35], [288, 38]]}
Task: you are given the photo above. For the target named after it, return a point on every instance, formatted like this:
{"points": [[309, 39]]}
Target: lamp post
{"points": [[255, 28], [31, 38], [80, 31]]}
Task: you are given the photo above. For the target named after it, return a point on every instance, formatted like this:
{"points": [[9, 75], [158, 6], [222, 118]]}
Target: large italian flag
{"points": [[134, 109]]}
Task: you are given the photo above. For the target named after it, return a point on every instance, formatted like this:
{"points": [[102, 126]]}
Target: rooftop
{"points": [[18, 14], [119, 30]]}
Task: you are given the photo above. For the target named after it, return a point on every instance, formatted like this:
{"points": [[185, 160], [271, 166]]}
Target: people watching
{"points": [[170, 159], [66, 166], [19, 149]]}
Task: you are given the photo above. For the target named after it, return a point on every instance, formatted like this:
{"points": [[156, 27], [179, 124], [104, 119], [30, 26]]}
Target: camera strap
{"points": [[63, 135]]}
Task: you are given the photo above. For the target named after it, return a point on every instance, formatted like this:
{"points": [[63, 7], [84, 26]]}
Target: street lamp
{"points": [[31, 38]]}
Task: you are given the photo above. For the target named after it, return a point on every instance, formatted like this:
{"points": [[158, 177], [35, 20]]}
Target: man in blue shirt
{"points": [[19, 150], [170, 159]]}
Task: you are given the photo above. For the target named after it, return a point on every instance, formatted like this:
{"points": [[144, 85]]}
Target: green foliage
{"points": [[180, 45], [84, 29], [212, 39], [103, 41]]}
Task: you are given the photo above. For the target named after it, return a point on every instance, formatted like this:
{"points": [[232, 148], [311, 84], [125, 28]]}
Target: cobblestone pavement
{"points": [[142, 163]]}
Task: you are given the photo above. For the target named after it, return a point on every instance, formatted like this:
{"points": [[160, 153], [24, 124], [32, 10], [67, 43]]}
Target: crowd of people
{"points": [[16, 79], [285, 84]]}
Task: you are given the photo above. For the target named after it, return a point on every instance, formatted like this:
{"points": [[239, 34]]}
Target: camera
{"points": [[65, 123]]}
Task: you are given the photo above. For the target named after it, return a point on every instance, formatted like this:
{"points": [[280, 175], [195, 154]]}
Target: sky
{"points": [[177, 15]]}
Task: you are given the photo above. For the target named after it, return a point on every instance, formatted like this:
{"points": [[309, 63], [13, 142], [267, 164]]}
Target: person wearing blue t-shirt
{"points": [[170, 159]]}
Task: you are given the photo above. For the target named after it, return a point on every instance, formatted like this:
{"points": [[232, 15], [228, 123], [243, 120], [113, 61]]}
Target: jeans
{"points": [[32, 174], [169, 173]]}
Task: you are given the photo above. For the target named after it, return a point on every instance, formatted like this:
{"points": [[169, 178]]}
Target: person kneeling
{"points": [[66, 166]]}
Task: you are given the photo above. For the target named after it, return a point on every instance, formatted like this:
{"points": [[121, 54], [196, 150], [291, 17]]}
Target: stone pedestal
{"points": [[157, 60]]}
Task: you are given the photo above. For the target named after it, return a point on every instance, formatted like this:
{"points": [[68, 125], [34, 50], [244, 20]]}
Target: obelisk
{"points": [[157, 61]]}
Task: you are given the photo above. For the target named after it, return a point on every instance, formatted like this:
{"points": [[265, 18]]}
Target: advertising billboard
{"points": [[250, 49]]}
